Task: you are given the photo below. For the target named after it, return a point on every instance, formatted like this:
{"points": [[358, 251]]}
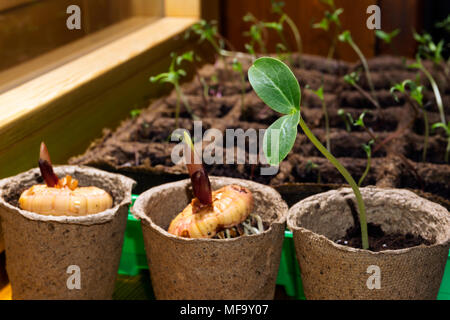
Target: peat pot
{"points": [[64, 257], [334, 271], [240, 268]]}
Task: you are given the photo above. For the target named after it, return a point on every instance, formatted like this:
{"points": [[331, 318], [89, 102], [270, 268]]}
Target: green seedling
{"points": [[135, 113], [277, 87], [387, 37], [347, 118], [419, 65], [319, 93], [368, 149], [173, 77], [428, 49], [446, 127], [282, 52], [444, 24], [352, 79], [330, 18], [310, 167], [277, 7], [415, 95], [256, 33], [347, 38], [283, 46], [250, 49], [209, 32], [237, 66]]}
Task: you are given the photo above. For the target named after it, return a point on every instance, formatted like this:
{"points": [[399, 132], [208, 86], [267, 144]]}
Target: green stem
{"points": [[369, 160], [180, 96], [327, 125], [427, 133], [298, 38], [332, 47], [286, 45], [242, 92], [365, 65], [447, 151], [177, 108], [348, 178], [436, 91]]}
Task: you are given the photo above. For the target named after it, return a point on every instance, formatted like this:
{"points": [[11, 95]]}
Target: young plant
{"points": [[173, 77], [210, 32], [360, 123], [237, 66], [347, 118], [135, 113], [327, 21], [312, 166], [368, 149], [257, 34], [446, 127], [387, 37], [283, 46], [415, 94], [277, 7], [223, 213], [418, 65], [352, 79], [347, 37], [428, 49], [277, 86], [319, 93]]}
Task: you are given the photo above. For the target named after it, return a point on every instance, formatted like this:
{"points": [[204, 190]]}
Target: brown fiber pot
{"points": [[40, 248], [241, 268], [333, 271]]}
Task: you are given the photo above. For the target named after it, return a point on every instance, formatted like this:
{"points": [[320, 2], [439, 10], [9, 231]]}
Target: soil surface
{"points": [[141, 147], [379, 241]]}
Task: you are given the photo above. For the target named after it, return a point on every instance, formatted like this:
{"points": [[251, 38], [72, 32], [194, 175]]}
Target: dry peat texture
{"points": [[141, 148]]}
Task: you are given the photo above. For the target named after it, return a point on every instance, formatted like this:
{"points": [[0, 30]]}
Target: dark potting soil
{"points": [[379, 241], [141, 147]]}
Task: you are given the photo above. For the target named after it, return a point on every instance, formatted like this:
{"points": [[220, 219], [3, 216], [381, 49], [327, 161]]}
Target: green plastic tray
{"points": [[134, 260]]}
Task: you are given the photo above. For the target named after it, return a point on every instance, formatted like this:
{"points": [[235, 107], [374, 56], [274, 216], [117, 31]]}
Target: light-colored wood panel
{"points": [[28, 70], [185, 8], [61, 105], [31, 30]]}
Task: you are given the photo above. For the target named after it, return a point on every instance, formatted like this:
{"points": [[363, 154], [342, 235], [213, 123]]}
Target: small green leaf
{"points": [[280, 137], [443, 126], [345, 36], [319, 93], [275, 84], [323, 24]]}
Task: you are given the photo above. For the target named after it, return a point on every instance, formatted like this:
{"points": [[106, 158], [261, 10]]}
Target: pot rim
{"points": [[96, 218], [139, 212], [296, 229]]}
